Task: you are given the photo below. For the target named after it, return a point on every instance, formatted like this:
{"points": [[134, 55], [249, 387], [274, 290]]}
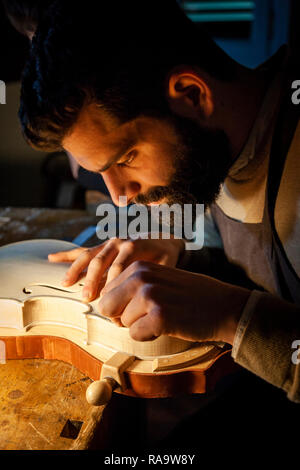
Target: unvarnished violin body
{"points": [[41, 319]]}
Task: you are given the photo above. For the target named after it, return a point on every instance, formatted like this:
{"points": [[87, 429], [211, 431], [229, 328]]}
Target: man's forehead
{"points": [[93, 125], [98, 140]]}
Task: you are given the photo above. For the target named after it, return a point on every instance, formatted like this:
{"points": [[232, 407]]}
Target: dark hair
{"points": [[115, 53], [25, 14]]}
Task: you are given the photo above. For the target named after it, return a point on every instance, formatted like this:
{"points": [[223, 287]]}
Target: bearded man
{"points": [[137, 93]]}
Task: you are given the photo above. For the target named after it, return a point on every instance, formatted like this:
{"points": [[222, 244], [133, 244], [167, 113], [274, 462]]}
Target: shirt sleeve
{"points": [[264, 343]]}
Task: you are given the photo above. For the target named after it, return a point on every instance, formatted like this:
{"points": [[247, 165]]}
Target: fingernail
{"points": [[86, 295], [66, 281]]}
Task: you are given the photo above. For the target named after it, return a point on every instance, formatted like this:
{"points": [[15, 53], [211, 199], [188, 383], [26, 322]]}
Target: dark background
{"points": [[13, 49], [250, 33]]}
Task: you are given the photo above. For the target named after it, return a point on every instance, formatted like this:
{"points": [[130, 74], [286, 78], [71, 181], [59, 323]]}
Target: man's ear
{"points": [[189, 95]]}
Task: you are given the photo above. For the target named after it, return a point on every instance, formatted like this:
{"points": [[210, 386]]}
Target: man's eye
{"points": [[130, 157]]}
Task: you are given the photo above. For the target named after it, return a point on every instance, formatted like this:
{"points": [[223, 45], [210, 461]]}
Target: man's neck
{"points": [[237, 106]]}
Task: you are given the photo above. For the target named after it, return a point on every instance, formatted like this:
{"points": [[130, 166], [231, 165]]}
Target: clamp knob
{"points": [[100, 392]]}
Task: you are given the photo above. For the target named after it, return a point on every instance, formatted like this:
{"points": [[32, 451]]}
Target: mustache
{"points": [[154, 195], [170, 194]]}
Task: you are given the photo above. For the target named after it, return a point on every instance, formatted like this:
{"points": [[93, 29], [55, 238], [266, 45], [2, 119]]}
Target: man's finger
{"points": [[117, 322], [122, 261], [80, 264], [134, 266], [148, 327], [135, 309], [96, 270], [113, 303], [65, 256], [168, 260]]}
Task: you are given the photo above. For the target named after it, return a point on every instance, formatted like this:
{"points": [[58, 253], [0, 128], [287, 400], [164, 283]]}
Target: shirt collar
{"points": [[256, 142]]}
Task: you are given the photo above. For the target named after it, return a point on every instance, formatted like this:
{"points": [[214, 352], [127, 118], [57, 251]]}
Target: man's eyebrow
{"points": [[116, 158]]}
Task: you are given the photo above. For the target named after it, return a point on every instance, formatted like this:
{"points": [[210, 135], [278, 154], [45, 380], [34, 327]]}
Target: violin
{"points": [[41, 319]]}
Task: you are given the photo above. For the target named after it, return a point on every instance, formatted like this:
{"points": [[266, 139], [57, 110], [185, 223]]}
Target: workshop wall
{"points": [[21, 182]]}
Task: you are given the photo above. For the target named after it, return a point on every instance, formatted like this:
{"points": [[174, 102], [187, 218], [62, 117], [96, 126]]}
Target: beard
{"points": [[202, 160]]}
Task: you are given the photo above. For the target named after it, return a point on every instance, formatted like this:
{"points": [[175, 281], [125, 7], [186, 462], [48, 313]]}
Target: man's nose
{"points": [[118, 188]]}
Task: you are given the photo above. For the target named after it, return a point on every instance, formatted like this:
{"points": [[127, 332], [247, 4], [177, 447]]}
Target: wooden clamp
{"points": [[112, 377]]}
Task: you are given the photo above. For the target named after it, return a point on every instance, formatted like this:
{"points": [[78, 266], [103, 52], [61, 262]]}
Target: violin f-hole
{"points": [[28, 290]]}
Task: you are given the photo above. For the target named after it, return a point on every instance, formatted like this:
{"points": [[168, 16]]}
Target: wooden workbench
{"points": [[19, 224], [43, 407]]}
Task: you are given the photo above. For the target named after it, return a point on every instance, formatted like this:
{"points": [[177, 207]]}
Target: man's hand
{"points": [[115, 256], [154, 300]]}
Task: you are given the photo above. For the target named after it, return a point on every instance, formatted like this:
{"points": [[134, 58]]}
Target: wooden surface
{"points": [[42, 401], [18, 224], [38, 397]]}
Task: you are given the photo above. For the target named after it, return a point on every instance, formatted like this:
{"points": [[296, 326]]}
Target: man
{"points": [[145, 99]]}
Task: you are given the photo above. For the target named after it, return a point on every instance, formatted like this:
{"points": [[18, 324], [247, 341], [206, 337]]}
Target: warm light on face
{"points": [[171, 159], [133, 157]]}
